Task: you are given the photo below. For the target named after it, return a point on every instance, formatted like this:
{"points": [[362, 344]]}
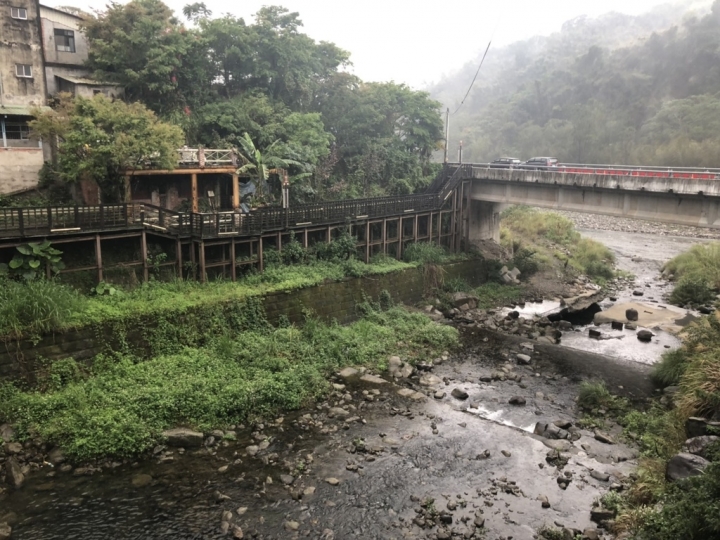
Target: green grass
{"points": [[120, 407], [701, 262], [553, 241], [670, 369], [594, 396], [492, 295]]}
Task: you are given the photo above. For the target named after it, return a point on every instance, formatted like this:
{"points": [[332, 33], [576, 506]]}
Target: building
{"points": [[22, 88], [66, 50]]}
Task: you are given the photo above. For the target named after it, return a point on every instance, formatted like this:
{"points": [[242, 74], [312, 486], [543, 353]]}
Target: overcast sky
{"points": [[417, 41]]}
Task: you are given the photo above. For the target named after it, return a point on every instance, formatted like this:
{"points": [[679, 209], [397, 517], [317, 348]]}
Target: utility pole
{"points": [[447, 133], [460, 153]]}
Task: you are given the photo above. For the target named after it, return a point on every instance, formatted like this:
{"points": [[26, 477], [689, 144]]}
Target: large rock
{"points": [[183, 438], [632, 314], [13, 473], [645, 335], [460, 298], [430, 380], [7, 433], [5, 531], [56, 456], [700, 445], [372, 379], [459, 393], [697, 427], [348, 373], [685, 465], [13, 448]]}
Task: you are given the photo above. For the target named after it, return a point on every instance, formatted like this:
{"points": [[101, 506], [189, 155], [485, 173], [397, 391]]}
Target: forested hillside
{"points": [[615, 89], [219, 78]]}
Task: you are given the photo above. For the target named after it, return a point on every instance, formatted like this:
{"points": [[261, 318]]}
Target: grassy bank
{"points": [[544, 240], [654, 509], [40, 306], [696, 273], [119, 406]]}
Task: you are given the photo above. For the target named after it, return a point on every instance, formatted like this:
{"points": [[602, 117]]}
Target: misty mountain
{"points": [[611, 89]]}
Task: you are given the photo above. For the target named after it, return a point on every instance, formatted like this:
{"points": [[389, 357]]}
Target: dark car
{"points": [[540, 163], [505, 163]]}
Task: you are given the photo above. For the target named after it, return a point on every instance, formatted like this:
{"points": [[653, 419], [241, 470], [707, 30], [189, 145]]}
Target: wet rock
{"points": [[638, 292], [699, 445], [183, 438], [479, 522], [616, 325], [332, 481], [595, 334], [544, 501], [458, 299], [598, 475], [56, 456], [348, 373], [338, 411], [577, 316], [252, 450], [223, 469], [591, 534], [287, 479], [5, 531], [292, 525], [439, 394], [604, 438], [459, 393], [517, 400], [7, 432], [632, 314], [684, 465], [372, 379], [505, 453], [237, 533], [13, 473], [563, 424], [523, 359], [12, 448], [141, 480], [428, 379], [645, 335], [540, 428], [309, 491], [405, 392], [697, 427]]}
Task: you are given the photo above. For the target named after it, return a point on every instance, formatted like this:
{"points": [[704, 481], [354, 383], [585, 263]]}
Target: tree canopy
{"points": [[219, 78], [614, 89]]}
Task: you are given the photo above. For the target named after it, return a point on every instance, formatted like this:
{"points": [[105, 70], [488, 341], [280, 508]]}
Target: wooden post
{"points": [[98, 258], [452, 221], [400, 238], [194, 192], [367, 242], [178, 256], [440, 228], [143, 254], [128, 189], [384, 236], [467, 216], [235, 192], [203, 275], [233, 265], [415, 229], [305, 238], [260, 254], [279, 242]]}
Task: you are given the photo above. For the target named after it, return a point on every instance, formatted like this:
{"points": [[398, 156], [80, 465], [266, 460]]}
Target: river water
{"points": [[411, 449]]}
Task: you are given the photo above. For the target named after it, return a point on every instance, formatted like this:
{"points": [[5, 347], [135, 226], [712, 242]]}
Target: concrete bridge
{"points": [[688, 197]]}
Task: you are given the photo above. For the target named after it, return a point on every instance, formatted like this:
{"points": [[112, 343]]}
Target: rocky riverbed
{"points": [[482, 444]]}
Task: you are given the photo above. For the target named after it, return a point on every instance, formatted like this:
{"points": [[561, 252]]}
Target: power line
{"points": [[474, 78]]}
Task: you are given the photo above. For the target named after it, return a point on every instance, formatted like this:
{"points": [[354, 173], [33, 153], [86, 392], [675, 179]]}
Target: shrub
{"points": [[692, 289], [35, 307], [525, 261], [594, 396], [424, 252], [670, 369], [700, 263]]}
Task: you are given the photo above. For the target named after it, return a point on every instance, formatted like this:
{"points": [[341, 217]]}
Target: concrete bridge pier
{"points": [[484, 221]]}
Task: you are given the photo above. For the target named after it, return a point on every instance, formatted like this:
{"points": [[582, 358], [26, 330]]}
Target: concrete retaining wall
{"points": [[336, 300]]}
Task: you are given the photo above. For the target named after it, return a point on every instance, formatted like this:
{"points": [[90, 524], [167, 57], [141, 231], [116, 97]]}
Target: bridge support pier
{"points": [[484, 222]]}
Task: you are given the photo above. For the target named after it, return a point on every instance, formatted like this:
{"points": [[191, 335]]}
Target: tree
{"points": [[142, 47], [261, 164], [102, 138]]}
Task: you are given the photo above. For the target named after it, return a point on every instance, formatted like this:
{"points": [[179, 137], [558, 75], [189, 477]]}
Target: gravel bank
{"points": [[609, 223]]}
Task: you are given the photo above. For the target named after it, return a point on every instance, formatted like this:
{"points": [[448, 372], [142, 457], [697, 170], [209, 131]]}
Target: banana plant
{"points": [[31, 260], [261, 164]]}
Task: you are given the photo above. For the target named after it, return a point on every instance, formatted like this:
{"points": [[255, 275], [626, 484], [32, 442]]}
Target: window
{"points": [[23, 70], [17, 130], [18, 13], [65, 40]]}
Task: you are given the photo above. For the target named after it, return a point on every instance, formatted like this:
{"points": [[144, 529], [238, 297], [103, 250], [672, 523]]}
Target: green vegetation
{"points": [[261, 86], [32, 260], [654, 508], [609, 89], [539, 239], [493, 294], [594, 397], [424, 253], [697, 272], [244, 371]]}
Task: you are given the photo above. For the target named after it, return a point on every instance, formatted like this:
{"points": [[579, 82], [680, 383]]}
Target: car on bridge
{"points": [[539, 163], [505, 163]]}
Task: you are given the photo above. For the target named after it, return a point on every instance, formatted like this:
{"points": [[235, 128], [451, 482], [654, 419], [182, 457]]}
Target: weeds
{"points": [[700, 263], [424, 253], [670, 369], [491, 295], [594, 397]]}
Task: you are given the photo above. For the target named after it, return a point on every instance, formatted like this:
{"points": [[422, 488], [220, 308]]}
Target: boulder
{"points": [[13, 448], [638, 292], [348, 373], [517, 400], [459, 393], [697, 427], [632, 314], [460, 298], [595, 334], [5, 531], [7, 433], [56, 456], [523, 359], [645, 335], [428, 379], [683, 466], [616, 325], [13, 473], [699, 445], [372, 379], [183, 438]]}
